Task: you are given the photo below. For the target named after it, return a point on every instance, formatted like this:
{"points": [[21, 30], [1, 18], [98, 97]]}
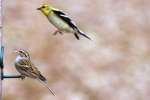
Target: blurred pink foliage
{"points": [[113, 66]]}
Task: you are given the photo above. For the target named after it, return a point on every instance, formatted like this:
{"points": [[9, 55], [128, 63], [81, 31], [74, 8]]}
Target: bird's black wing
{"points": [[71, 23], [65, 18]]}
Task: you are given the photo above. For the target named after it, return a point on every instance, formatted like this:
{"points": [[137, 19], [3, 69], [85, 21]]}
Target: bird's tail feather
{"points": [[83, 34], [45, 84], [42, 78]]}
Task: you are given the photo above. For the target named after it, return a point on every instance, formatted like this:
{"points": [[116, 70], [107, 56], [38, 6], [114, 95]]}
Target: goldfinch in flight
{"points": [[26, 68], [61, 21]]}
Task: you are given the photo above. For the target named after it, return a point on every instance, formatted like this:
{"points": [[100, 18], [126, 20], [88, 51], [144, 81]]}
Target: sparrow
{"points": [[26, 68]]}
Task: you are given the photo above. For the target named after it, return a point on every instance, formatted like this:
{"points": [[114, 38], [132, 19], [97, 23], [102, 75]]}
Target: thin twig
{"points": [[12, 76]]}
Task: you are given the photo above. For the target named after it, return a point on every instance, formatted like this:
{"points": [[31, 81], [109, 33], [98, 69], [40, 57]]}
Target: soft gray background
{"points": [[114, 66]]}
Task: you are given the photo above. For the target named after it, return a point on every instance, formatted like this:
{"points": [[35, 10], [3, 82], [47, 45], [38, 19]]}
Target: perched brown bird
{"points": [[26, 68]]}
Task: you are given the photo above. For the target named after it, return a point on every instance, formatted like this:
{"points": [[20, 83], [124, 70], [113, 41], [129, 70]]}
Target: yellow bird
{"points": [[61, 21]]}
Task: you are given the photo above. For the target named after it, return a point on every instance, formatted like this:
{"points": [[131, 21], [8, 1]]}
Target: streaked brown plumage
{"points": [[26, 68]]}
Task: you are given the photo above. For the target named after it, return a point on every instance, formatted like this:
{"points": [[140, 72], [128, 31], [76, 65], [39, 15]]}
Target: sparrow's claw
{"points": [[22, 77]]}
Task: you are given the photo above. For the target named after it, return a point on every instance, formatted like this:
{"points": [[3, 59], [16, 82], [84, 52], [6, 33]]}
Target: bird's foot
{"points": [[22, 77], [58, 31]]}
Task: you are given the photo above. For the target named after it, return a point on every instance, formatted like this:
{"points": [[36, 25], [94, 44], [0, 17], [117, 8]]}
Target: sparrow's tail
{"points": [[46, 85], [82, 33], [42, 78]]}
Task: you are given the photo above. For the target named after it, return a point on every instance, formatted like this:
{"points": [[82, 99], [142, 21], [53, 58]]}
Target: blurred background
{"points": [[115, 65]]}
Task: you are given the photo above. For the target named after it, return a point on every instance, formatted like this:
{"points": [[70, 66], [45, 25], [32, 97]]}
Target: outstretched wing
{"points": [[65, 18]]}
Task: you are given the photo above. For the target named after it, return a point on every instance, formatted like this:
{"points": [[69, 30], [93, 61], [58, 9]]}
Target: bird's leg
{"points": [[57, 31], [60, 32], [22, 77]]}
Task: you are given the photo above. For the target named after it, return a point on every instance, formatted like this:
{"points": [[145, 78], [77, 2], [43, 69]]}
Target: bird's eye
{"points": [[21, 52], [43, 6]]}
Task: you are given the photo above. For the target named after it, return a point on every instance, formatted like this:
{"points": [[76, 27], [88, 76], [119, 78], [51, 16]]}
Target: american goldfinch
{"points": [[61, 21], [26, 68]]}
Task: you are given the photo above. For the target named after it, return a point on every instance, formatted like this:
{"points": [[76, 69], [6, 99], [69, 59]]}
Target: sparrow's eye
{"points": [[20, 51]]}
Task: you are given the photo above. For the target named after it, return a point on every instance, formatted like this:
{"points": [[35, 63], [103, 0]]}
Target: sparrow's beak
{"points": [[38, 8], [15, 51]]}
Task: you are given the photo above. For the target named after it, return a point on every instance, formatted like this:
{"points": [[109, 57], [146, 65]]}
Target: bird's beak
{"points": [[15, 51], [38, 8]]}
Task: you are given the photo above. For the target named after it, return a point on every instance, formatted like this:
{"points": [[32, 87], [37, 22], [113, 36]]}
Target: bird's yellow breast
{"points": [[59, 23]]}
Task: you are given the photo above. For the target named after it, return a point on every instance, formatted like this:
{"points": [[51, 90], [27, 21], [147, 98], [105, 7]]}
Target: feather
{"points": [[71, 23], [27, 69], [65, 18], [46, 85]]}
